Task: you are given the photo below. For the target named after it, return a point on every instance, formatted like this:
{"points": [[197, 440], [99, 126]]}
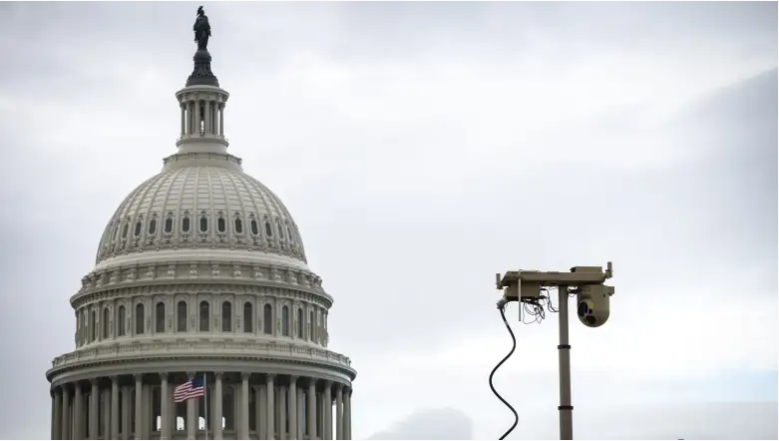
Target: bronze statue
{"points": [[201, 74], [202, 30]]}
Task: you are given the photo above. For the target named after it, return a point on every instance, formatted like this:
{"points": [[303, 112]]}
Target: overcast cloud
{"points": [[422, 148]]}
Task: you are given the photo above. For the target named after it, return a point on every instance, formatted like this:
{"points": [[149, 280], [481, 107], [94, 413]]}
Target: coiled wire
{"points": [[501, 308]]}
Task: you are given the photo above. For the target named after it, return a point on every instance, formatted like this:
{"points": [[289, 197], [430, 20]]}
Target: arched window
{"points": [[181, 320], [248, 318], [311, 325], [203, 224], [238, 226], [285, 321], [124, 230], [227, 317], [205, 312], [221, 225], [152, 226], [267, 318], [138, 227], [185, 224], [255, 227], [121, 317], [116, 231], [106, 314], [92, 326], [268, 229], [139, 318], [169, 225], [300, 322], [159, 319], [289, 235]]}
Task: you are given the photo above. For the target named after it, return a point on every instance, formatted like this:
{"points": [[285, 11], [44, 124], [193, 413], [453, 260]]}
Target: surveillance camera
{"points": [[593, 304]]}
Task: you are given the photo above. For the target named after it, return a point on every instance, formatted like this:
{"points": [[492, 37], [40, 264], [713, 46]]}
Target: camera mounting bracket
{"points": [[526, 285]]}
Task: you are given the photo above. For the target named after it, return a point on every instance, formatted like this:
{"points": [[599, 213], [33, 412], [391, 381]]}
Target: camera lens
{"points": [[583, 308]]}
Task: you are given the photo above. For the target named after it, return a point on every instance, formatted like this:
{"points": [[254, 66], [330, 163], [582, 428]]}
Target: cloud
{"points": [[667, 421], [445, 423], [422, 148]]}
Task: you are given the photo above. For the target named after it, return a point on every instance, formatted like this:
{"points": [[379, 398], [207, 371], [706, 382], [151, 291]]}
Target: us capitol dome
{"points": [[201, 272]]}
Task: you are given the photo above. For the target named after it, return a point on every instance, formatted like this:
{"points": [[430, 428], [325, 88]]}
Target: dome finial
{"points": [[202, 75]]}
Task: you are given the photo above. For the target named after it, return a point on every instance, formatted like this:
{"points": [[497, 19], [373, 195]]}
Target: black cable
{"points": [[513, 347]]}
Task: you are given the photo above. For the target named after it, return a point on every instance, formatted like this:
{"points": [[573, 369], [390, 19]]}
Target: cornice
{"points": [[198, 276], [140, 352]]}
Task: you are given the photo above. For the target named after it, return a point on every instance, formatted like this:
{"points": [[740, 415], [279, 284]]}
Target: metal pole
{"points": [[564, 352]]}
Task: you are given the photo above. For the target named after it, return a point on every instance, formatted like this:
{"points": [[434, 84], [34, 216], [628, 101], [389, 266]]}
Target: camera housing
{"points": [[593, 304]]}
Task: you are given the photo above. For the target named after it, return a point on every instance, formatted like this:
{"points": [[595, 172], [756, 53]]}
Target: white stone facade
{"points": [[201, 271]]}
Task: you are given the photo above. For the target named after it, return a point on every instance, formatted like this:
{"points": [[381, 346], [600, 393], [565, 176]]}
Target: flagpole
{"points": [[205, 398]]}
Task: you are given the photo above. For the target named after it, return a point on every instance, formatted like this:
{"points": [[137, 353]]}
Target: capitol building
{"points": [[201, 272]]}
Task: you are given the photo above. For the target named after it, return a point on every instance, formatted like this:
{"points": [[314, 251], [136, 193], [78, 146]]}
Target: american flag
{"points": [[191, 389]]}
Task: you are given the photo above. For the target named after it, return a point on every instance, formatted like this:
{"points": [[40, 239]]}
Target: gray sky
{"points": [[423, 147]]}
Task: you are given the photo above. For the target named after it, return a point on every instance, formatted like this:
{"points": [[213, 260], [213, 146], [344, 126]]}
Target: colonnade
{"points": [[202, 117], [237, 406]]}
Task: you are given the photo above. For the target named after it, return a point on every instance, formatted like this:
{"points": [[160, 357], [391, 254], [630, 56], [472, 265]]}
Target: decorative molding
{"points": [[303, 281], [169, 288], [203, 350]]}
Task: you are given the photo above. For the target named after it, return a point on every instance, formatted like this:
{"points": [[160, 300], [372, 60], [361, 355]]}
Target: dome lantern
{"points": [[202, 101]]}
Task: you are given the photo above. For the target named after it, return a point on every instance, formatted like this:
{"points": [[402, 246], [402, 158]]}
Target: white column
{"points": [[164, 407], [125, 413], [173, 413], [207, 117], [262, 412], [51, 421], [339, 412], [191, 412], [348, 414], [105, 430], [320, 414], [245, 405], [148, 411], [215, 118], [282, 412], [183, 107], [78, 412], [237, 409], [222, 121], [188, 107], [293, 407], [56, 423], [311, 399], [218, 406], [65, 413], [114, 407], [94, 403], [301, 413], [195, 125], [193, 130], [138, 407], [269, 420], [327, 406]]}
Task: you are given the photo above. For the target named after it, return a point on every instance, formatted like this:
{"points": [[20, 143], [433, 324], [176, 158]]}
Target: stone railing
{"points": [[202, 348]]}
